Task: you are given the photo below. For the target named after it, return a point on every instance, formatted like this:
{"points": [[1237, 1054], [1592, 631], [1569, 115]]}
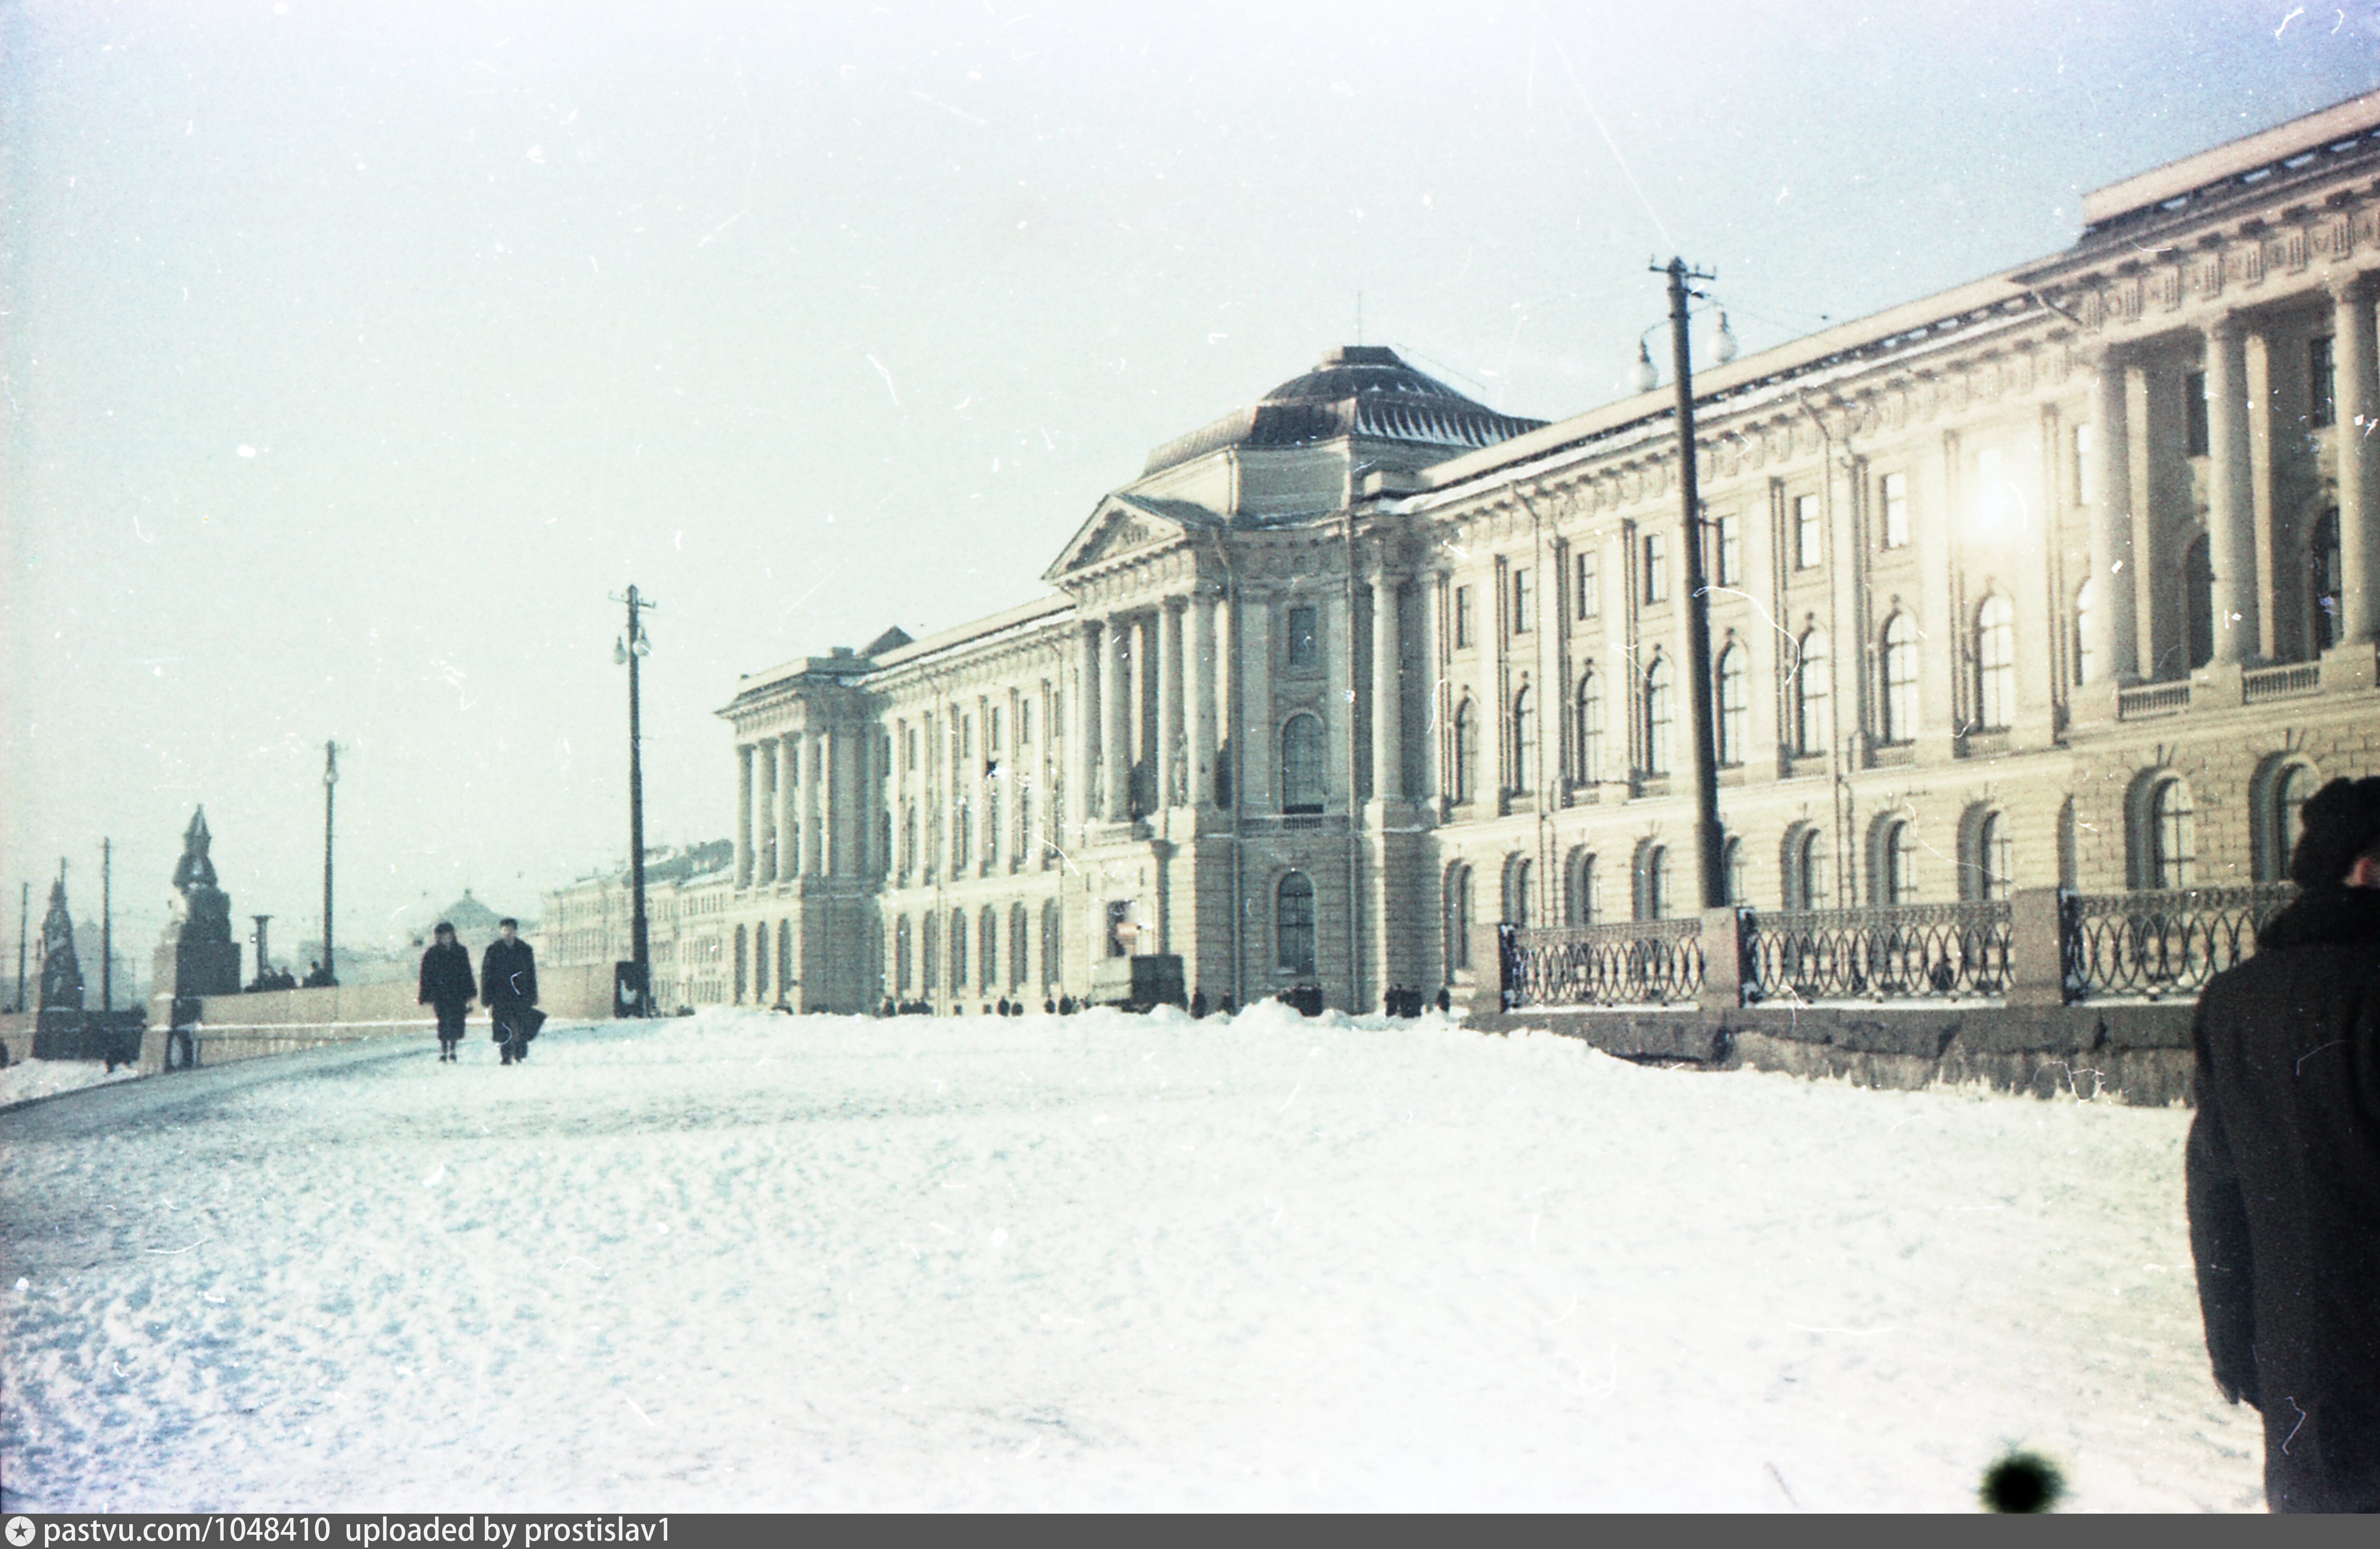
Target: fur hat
{"points": [[2342, 822], [444, 928]]}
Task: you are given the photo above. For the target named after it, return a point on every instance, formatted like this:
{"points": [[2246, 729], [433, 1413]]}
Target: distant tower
{"points": [[61, 972]]}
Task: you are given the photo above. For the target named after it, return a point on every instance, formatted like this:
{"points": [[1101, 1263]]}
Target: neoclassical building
{"points": [[2060, 577]]}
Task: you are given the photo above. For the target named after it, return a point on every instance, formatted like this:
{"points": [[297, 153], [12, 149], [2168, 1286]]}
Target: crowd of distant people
{"points": [[1398, 1001]]}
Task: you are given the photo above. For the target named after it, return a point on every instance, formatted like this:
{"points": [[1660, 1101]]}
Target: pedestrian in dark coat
{"points": [[508, 983], [447, 986], [2284, 1168]]}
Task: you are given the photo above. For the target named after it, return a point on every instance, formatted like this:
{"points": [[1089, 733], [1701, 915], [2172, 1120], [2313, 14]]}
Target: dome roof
{"points": [[1356, 390]]}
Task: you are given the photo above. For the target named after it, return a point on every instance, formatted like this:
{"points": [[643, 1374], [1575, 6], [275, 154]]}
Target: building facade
{"points": [[2062, 578], [590, 923]]}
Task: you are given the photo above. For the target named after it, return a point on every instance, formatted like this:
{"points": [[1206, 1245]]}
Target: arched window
{"points": [[1590, 726], [1293, 924], [1995, 661], [2172, 837], [761, 963], [1897, 863], [1735, 705], [2198, 571], [1579, 898], [1994, 858], [987, 948], [1466, 752], [785, 958], [1813, 688], [2297, 783], [1901, 678], [743, 947], [1053, 942], [1808, 884], [902, 946], [1458, 918], [1524, 740], [2326, 628], [1519, 881], [1653, 882], [1301, 765], [958, 952], [1734, 871], [1017, 940], [2085, 655], [930, 956], [1660, 713]]}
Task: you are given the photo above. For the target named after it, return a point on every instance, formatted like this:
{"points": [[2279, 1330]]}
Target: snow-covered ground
{"points": [[748, 1261], [27, 1079]]}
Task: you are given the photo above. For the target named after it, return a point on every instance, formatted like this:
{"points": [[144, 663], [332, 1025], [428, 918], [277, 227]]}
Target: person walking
{"points": [[2283, 1167], [508, 983], [447, 986]]}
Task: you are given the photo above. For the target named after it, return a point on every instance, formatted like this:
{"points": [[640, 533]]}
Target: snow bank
{"points": [[743, 1260], [27, 1079]]}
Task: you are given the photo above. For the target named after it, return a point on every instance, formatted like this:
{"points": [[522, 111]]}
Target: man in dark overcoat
{"points": [[447, 986], [508, 983], [2284, 1168]]}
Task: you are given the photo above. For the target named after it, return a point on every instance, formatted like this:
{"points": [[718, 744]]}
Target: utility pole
{"points": [[329, 786], [106, 925], [629, 650], [1709, 841]]}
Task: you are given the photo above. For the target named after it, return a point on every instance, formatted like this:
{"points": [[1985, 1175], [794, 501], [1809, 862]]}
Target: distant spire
{"points": [[194, 869]]}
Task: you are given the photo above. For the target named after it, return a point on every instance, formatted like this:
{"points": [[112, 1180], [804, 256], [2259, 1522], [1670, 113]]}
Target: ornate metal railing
{"points": [[1898, 952], [2162, 944], [1644, 962]]}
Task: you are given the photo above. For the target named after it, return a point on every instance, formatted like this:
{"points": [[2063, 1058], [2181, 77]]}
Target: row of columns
{"points": [[2234, 552], [777, 806]]}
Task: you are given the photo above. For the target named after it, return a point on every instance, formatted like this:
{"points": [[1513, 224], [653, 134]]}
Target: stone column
{"points": [[1429, 599], [842, 799], [813, 757], [1252, 712], [743, 814], [2114, 623], [1388, 694], [1082, 735], [788, 813], [1201, 664], [1115, 736], [2230, 514], [765, 867], [1168, 619], [2358, 458]]}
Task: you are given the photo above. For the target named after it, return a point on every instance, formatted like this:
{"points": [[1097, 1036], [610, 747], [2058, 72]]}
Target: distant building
{"points": [[588, 923]]}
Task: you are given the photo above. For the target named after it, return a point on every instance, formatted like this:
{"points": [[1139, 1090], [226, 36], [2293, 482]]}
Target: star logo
{"points": [[20, 1531]]}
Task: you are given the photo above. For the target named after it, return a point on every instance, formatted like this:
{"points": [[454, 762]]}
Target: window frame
{"points": [[1288, 928]]}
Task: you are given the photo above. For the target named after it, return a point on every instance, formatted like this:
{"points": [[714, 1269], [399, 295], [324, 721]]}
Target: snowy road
{"points": [[743, 1262]]}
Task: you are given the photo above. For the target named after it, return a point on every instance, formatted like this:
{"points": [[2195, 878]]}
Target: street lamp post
{"points": [[106, 925], [330, 785], [1708, 840], [627, 651]]}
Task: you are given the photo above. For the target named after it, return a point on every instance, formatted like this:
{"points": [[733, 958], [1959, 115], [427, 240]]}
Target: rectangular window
{"points": [[1461, 617], [2321, 382], [1730, 531], [1521, 580], [992, 729], [1809, 533], [1590, 585], [1896, 510], [1025, 724], [2086, 469], [2193, 414], [1305, 637], [1657, 568]]}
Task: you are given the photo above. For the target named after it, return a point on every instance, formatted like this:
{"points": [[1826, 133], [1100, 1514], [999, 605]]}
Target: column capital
{"points": [[2224, 326], [2351, 287]]}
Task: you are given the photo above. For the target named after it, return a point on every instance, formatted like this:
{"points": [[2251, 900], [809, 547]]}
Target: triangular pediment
{"points": [[1121, 525]]}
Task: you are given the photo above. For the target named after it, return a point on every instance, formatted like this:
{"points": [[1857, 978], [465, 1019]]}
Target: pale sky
{"points": [[355, 353]]}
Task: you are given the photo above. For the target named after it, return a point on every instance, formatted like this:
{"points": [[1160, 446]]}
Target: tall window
{"points": [[1590, 725], [1301, 765], [1733, 872], [2322, 381], [2193, 414], [1017, 940], [1897, 859], [1728, 532], [1458, 918], [1590, 584], [930, 956], [1809, 533], [1293, 924], [1524, 740], [1653, 882], [1580, 900], [1658, 714], [1657, 568], [1901, 678], [908, 841], [1808, 886], [1996, 661], [2085, 657], [2322, 582], [1524, 583], [2173, 837], [1461, 617], [1520, 881], [1304, 638], [1053, 942], [1896, 510], [1466, 752], [902, 947], [2297, 783], [958, 952], [1994, 858], [1735, 705], [2198, 573], [1813, 686], [987, 947]]}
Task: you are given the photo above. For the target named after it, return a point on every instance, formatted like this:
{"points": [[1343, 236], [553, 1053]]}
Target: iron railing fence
{"points": [[2161, 944], [1888, 952], [1642, 963]]}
